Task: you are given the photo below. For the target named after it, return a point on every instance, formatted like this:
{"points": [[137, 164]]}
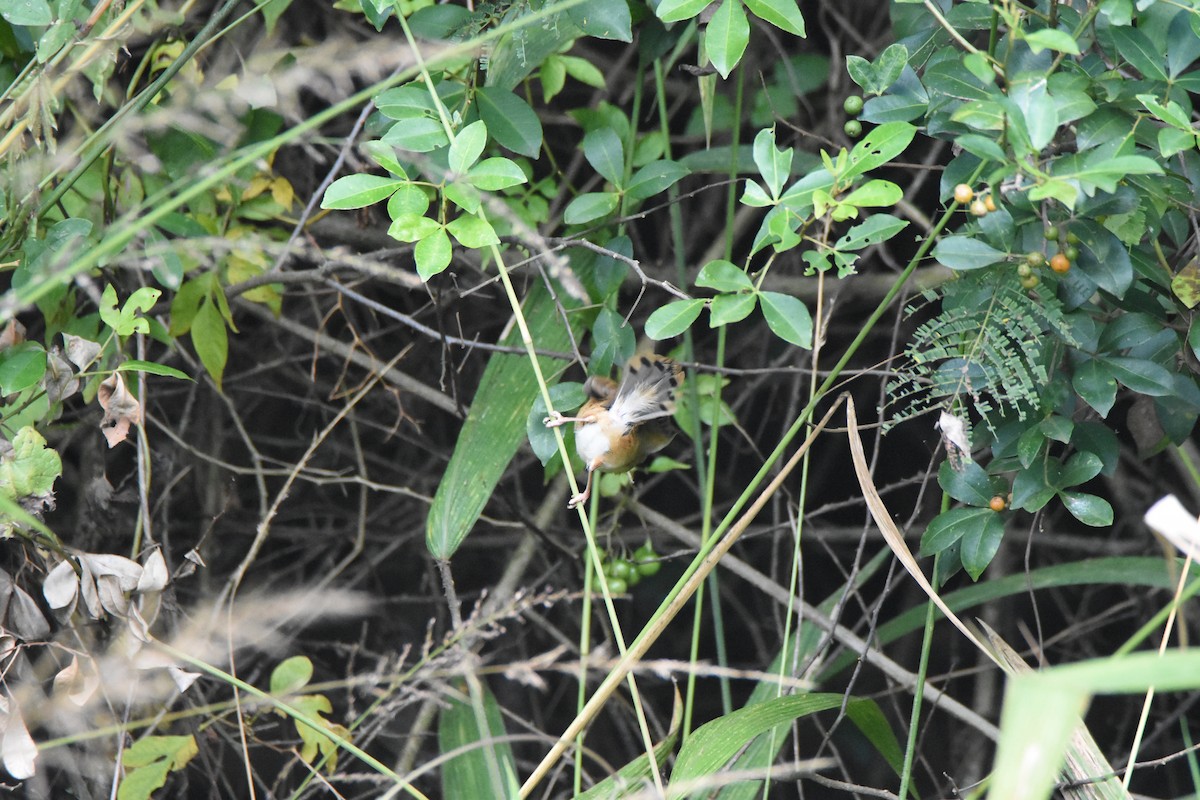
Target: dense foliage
{"points": [[319, 274]]}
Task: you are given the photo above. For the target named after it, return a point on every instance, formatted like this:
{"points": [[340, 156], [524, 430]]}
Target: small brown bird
{"points": [[619, 425]]}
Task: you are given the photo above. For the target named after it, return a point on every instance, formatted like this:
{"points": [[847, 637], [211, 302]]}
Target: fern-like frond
{"points": [[986, 349]]}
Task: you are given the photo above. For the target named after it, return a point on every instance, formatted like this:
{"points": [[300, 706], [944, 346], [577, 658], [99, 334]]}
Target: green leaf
{"points": [[211, 339], [484, 765], [291, 675], [495, 427], [493, 174], [678, 10], [965, 252], [727, 35], [407, 201], [603, 19], [565, 397], [673, 318], [655, 177], [1033, 488], [613, 341], [723, 276], [603, 150], [432, 254], [879, 147], [1140, 375], [729, 308], [978, 545], [31, 13], [774, 165], [151, 368], [510, 120], [950, 526], [788, 318], [472, 231], [21, 366], [358, 191], [969, 484], [1052, 39], [1080, 469], [783, 14], [590, 206], [150, 760], [418, 135], [1088, 509], [412, 227], [1029, 94], [467, 147], [463, 195], [384, 155], [1137, 48], [711, 746], [30, 468], [874, 193], [875, 229]]}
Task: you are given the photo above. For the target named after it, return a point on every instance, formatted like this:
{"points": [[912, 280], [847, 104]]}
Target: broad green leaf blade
{"points": [[487, 768], [965, 252], [783, 14], [729, 308], [727, 35], [673, 319], [510, 120], [467, 147], [603, 150], [151, 368], [590, 206], [493, 174], [788, 318], [723, 276], [211, 340], [969, 484], [604, 19], [433, 254], [358, 191], [495, 426], [655, 177]]}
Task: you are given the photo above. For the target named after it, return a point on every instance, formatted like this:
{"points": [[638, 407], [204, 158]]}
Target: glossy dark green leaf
{"points": [[978, 545], [1079, 469], [1033, 488], [969, 484], [211, 340], [419, 134], [1136, 48], [1094, 382], [875, 229], [1088, 509], [948, 527], [1140, 375]]}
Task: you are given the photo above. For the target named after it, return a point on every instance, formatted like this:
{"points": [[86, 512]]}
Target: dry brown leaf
{"points": [[121, 409]]}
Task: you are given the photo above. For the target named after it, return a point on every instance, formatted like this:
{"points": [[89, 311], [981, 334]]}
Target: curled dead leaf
{"points": [[121, 409]]}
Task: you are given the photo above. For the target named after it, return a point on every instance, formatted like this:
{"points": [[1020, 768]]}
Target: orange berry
{"points": [[963, 193], [1060, 263], [990, 202], [997, 503]]}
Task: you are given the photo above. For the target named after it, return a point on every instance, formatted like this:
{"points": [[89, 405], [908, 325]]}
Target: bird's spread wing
{"points": [[647, 390]]}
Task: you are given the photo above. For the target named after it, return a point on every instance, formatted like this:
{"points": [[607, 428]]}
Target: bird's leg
{"points": [[555, 419], [581, 498]]}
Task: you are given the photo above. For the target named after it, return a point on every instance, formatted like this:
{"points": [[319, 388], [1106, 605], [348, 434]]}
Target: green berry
{"points": [[1051, 233], [1034, 258], [1072, 238], [853, 128], [1071, 251], [853, 105], [1024, 270], [617, 586]]}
